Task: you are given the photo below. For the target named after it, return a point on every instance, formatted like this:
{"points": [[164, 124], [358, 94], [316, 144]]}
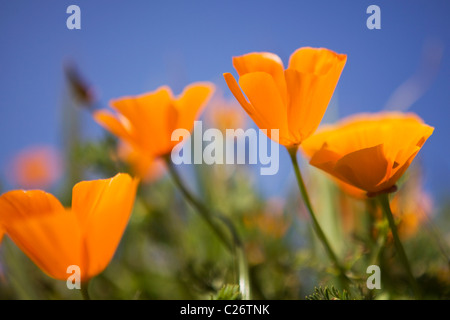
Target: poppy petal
{"points": [[157, 118], [103, 208], [319, 61], [325, 159], [40, 226], [111, 123], [263, 62], [261, 90], [363, 168], [308, 100], [191, 102]]}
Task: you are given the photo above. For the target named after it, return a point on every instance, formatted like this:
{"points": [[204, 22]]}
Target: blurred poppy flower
{"points": [[36, 167], [86, 235], [292, 100], [411, 205], [368, 151], [271, 221], [146, 122], [223, 114], [147, 168]]}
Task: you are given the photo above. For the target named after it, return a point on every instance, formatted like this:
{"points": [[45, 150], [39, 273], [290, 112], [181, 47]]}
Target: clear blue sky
{"points": [[129, 47]]}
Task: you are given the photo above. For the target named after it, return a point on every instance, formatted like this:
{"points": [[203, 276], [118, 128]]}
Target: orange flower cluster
{"points": [[366, 153]]}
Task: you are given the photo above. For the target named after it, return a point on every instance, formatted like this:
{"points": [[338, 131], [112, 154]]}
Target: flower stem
{"points": [[384, 201], [344, 279], [236, 246], [85, 290]]}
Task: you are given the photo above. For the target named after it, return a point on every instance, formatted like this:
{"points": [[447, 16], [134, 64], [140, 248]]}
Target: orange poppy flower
{"points": [[146, 168], [411, 205], [86, 235], [270, 221], [292, 100], [223, 114], [369, 151], [146, 122]]}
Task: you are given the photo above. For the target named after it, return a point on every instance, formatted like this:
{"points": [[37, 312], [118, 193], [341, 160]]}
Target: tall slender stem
{"points": [[85, 290], [316, 225], [384, 201], [203, 211], [236, 246]]}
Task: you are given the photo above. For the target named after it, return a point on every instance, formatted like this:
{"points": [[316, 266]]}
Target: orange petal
{"points": [[234, 88], [309, 96], [315, 142], [191, 102], [261, 90], [392, 180], [103, 208], [263, 62], [157, 118], [311, 80], [325, 159], [364, 168], [318, 61], [111, 123], [43, 230], [409, 138]]}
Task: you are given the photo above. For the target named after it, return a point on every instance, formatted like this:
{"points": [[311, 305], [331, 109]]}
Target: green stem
{"points": [[344, 279], [203, 211], [85, 290], [236, 247], [384, 201]]}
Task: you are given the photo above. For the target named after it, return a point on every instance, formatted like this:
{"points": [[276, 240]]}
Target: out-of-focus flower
{"points": [[146, 122], [368, 151], [270, 221], [411, 205], [36, 167], [86, 235], [292, 100], [223, 114], [146, 168]]}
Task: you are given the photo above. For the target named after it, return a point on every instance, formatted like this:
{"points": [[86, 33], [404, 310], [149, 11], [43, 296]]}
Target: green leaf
{"points": [[228, 292]]}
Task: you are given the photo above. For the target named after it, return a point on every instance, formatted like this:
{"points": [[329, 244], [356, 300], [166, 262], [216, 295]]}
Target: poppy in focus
{"points": [[369, 151], [292, 100]]}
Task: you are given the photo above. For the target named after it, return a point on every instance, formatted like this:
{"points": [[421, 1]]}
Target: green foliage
{"points": [[329, 293], [228, 292]]}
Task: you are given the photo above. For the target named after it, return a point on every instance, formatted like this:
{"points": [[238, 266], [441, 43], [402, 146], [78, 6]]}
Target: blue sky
{"points": [[130, 47]]}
